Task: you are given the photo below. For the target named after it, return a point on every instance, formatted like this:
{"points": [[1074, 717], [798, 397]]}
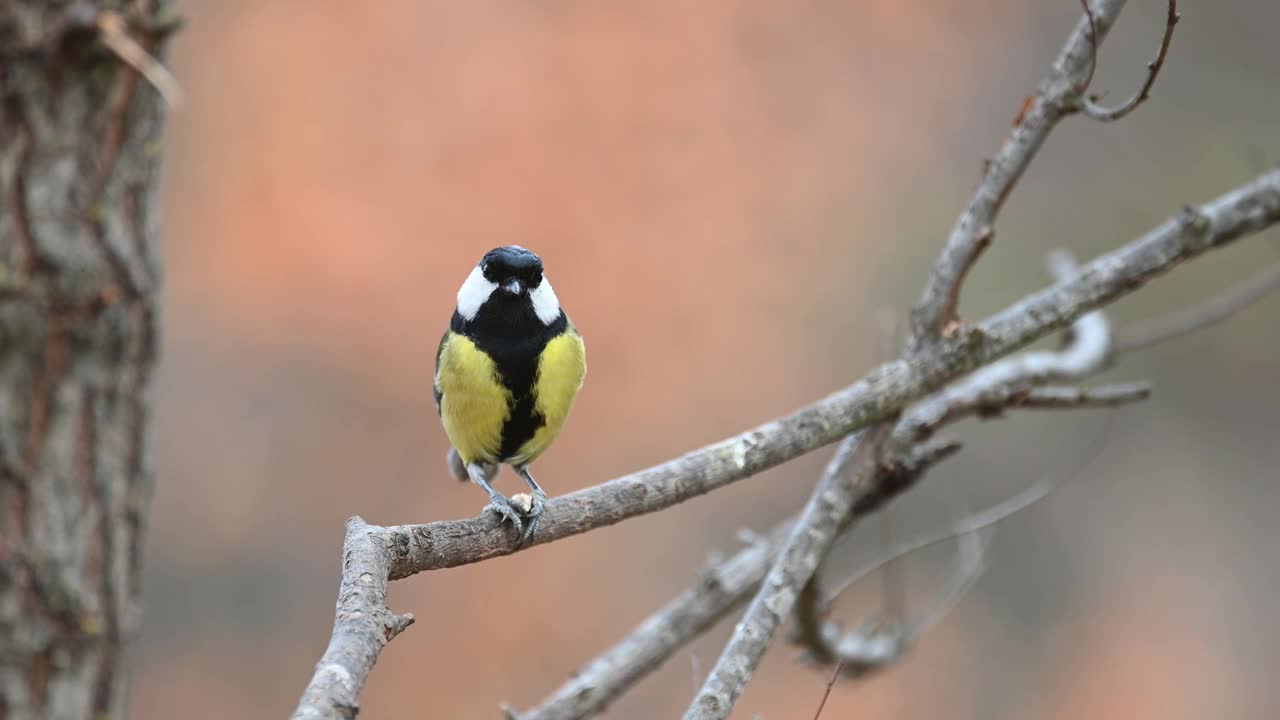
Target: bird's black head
{"points": [[508, 285], [513, 269]]}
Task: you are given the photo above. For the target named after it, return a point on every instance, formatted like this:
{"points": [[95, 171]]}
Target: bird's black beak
{"points": [[515, 286]]}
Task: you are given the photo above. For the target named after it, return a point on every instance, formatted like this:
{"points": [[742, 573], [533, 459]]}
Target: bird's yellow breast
{"points": [[561, 369], [474, 404]]}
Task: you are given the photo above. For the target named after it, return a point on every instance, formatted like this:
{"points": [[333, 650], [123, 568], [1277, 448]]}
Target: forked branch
{"points": [[935, 314], [719, 591], [992, 389], [409, 549]]}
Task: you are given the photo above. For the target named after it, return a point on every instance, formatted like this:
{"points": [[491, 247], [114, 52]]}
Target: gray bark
{"points": [[79, 304]]}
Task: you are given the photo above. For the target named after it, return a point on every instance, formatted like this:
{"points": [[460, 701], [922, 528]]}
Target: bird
{"points": [[508, 369]]}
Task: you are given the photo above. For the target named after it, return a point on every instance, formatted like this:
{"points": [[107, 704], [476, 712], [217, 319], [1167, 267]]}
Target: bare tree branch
{"points": [[1188, 320], [727, 585], [1089, 106], [878, 395], [821, 641], [410, 549], [936, 310], [994, 401], [362, 626], [720, 590]]}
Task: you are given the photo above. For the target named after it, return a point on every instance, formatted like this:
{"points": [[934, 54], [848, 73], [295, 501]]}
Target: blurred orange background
{"points": [[729, 196]]}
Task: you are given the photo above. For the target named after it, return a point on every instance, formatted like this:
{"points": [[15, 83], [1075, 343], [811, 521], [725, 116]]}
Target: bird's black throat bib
{"points": [[508, 331]]}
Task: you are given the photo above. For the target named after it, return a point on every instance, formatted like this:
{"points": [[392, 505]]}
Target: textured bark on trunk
{"points": [[79, 316]]}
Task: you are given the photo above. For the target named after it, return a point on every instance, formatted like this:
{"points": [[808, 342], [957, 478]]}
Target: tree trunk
{"points": [[79, 320]]}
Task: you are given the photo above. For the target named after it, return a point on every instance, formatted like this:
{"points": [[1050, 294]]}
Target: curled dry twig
{"points": [[876, 645], [1089, 104]]}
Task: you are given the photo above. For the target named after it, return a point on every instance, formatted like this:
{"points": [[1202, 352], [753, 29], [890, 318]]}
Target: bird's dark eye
{"points": [[534, 279]]}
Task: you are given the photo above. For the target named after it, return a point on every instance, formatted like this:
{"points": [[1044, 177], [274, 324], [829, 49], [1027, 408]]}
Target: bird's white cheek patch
{"points": [[545, 303], [474, 291]]}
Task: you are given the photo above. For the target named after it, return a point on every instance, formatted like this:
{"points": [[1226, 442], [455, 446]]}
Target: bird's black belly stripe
{"points": [[508, 331]]}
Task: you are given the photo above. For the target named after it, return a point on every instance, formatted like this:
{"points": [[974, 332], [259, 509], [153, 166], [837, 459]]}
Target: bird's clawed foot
{"points": [[523, 516], [507, 511], [522, 511], [532, 517], [499, 503]]}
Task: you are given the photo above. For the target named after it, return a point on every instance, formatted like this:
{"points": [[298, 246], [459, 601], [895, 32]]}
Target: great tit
{"points": [[507, 371]]}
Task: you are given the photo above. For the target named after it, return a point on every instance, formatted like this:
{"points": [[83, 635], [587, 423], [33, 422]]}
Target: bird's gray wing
{"points": [[435, 385]]}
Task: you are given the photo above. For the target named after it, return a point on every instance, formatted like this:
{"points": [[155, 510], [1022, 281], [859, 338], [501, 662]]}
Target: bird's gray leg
{"points": [[497, 501], [457, 468], [535, 511]]}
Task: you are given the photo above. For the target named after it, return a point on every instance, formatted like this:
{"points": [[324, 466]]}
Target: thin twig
{"points": [[817, 715], [1188, 320], [991, 403], [1089, 106]]}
